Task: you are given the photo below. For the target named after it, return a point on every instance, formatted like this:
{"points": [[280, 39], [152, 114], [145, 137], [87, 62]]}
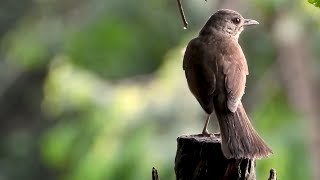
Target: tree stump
{"points": [[201, 158]]}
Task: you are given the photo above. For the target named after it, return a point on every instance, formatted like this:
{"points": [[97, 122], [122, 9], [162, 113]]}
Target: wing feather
{"points": [[235, 69], [200, 76]]}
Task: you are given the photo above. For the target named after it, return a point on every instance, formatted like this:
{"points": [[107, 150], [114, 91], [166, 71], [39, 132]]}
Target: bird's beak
{"points": [[249, 22]]}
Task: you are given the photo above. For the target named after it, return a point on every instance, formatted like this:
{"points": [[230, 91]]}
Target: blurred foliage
{"points": [[315, 2], [114, 92]]}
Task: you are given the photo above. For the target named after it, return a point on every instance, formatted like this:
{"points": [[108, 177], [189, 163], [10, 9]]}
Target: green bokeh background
{"points": [[95, 89]]}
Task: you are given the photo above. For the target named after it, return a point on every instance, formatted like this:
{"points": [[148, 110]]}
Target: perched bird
{"points": [[216, 70]]}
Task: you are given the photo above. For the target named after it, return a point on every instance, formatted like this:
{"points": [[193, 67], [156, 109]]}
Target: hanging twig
{"points": [[185, 23]]}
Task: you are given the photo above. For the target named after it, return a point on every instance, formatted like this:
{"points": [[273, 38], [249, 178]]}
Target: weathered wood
{"points": [[201, 158], [273, 174], [155, 175]]}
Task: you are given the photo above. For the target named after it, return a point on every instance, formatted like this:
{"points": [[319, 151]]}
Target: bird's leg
{"points": [[205, 130]]}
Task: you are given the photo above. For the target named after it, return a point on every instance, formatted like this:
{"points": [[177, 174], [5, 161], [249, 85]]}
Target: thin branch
{"points": [[184, 20]]}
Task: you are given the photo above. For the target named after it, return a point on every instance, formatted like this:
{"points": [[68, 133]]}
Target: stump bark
{"points": [[201, 158]]}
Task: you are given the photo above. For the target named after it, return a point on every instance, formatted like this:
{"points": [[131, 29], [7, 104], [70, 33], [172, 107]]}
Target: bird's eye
{"points": [[236, 20]]}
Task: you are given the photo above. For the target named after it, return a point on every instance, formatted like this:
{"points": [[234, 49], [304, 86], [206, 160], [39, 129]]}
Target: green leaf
{"points": [[315, 2]]}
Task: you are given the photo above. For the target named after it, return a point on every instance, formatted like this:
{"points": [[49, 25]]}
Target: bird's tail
{"points": [[239, 138]]}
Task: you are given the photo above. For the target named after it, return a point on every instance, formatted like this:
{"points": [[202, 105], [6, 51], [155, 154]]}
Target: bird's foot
{"points": [[206, 133]]}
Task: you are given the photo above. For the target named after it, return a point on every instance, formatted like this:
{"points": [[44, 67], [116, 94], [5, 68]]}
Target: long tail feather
{"points": [[239, 138]]}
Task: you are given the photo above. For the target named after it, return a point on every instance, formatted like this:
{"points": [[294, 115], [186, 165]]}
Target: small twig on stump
{"points": [[155, 174], [185, 23], [273, 175]]}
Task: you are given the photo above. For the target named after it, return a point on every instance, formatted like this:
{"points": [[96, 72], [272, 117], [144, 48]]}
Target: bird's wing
{"points": [[193, 47], [200, 76], [235, 69]]}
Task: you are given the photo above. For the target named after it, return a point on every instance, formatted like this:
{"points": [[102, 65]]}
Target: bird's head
{"points": [[228, 22]]}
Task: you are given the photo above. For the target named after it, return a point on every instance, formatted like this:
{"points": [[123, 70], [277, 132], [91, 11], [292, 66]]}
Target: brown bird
{"points": [[216, 70]]}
